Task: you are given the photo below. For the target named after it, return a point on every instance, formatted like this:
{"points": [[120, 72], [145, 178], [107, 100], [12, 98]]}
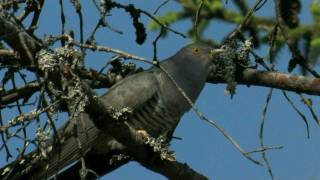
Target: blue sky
{"points": [[203, 147]]}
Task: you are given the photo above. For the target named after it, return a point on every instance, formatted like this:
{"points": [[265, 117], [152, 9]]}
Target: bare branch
{"points": [[14, 35], [284, 81], [19, 93]]}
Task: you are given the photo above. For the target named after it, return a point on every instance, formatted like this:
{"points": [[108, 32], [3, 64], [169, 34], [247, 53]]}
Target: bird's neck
{"points": [[186, 76]]}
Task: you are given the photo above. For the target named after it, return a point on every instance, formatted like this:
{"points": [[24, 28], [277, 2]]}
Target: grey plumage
{"points": [[156, 102]]}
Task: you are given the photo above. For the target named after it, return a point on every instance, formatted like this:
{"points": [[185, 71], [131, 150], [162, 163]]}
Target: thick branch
{"points": [[9, 53], [284, 81], [19, 93], [100, 81]]}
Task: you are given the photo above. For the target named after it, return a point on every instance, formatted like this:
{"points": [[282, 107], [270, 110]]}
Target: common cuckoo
{"points": [[156, 102]]}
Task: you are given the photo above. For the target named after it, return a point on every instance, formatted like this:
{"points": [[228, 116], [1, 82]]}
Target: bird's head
{"points": [[197, 56], [190, 67]]}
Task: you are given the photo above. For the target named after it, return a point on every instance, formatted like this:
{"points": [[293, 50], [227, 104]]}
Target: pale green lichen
{"points": [[121, 114], [70, 56], [160, 145], [77, 98], [46, 60]]}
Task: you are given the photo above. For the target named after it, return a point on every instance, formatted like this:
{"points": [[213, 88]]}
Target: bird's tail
{"points": [[75, 142]]}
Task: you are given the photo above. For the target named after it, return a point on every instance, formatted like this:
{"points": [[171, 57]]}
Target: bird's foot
{"points": [[158, 145], [143, 133]]}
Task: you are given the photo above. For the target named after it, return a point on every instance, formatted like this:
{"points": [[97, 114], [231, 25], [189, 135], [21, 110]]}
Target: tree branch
{"points": [[17, 38], [18, 93], [284, 81]]}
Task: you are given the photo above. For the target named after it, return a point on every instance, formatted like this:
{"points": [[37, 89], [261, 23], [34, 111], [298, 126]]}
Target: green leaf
{"points": [[216, 5], [315, 43], [167, 19], [315, 9]]}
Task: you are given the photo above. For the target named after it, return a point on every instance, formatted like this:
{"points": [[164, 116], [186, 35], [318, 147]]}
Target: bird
{"points": [[158, 98]]}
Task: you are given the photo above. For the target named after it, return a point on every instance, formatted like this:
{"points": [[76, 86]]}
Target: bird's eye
{"points": [[195, 50]]}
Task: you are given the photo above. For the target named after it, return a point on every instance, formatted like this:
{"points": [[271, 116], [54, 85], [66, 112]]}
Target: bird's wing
{"points": [[149, 95], [133, 91]]}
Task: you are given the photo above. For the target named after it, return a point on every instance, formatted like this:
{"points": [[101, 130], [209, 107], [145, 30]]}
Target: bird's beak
{"points": [[215, 52]]}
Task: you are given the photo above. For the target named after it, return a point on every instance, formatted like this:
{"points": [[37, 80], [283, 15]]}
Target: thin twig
{"points": [[77, 5], [154, 43], [161, 5], [261, 134], [298, 111], [151, 17], [108, 49], [196, 22], [4, 138], [24, 131], [63, 21], [202, 117], [308, 103], [26, 117], [36, 16], [263, 149], [163, 25], [244, 23]]}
